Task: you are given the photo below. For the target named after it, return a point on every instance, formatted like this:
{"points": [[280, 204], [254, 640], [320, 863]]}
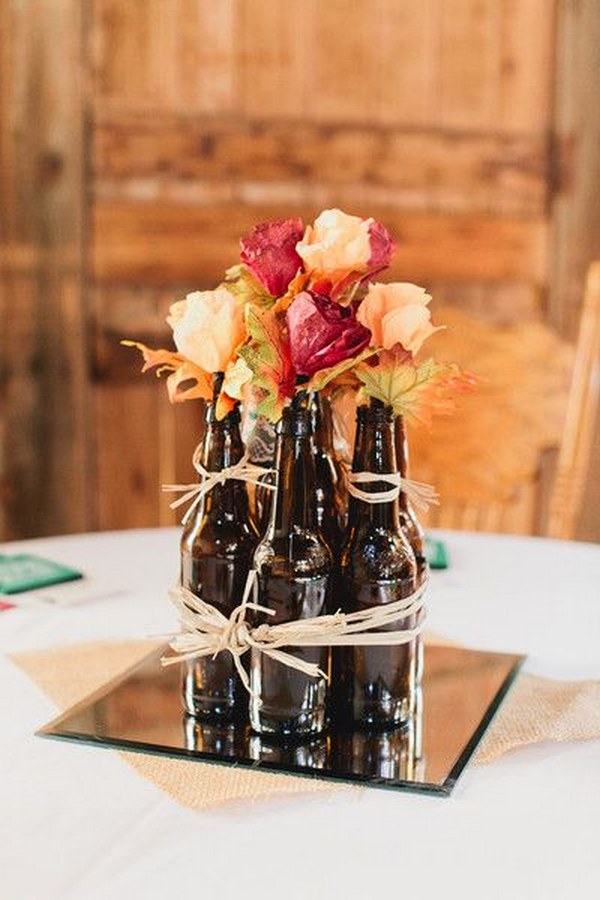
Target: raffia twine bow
{"points": [[421, 495], [244, 470], [207, 632]]}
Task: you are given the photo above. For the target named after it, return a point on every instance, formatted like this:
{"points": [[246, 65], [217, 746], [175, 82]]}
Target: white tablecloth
{"points": [[77, 823]]}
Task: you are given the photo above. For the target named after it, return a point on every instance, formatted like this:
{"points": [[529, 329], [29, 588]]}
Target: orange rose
{"points": [[336, 243], [208, 326], [397, 313]]}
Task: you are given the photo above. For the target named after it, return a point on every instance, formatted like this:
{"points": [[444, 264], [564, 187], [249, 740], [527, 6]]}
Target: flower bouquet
{"points": [[302, 567]]}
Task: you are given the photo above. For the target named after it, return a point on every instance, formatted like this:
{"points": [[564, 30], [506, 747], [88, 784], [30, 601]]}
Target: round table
{"points": [[78, 823]]}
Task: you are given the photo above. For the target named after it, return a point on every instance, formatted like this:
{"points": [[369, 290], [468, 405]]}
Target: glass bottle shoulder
{"points": [[303, 553], [217, 533], [374, 552]]}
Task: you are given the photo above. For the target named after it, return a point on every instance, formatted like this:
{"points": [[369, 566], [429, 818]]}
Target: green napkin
{"points": [[22, 572], [436, 553]]}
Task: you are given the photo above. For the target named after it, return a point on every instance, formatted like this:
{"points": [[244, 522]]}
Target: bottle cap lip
{"points": [[295, 421], [376, 411], [232, 418]]}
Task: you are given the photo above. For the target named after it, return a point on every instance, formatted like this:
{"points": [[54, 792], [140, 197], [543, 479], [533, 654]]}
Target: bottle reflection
{"points": [[395, 754], [420, 762], [389, 754], [218, 739], [311, 755]]}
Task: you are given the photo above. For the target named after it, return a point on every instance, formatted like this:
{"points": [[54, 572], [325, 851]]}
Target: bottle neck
{"points": [[295, 503], [223, 447], [375, 451], [401, 445], [321, 423]]}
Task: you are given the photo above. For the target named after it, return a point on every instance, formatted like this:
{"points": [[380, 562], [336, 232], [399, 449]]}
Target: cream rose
{"points": [[336, 243], [207, 328], [397, 313]]}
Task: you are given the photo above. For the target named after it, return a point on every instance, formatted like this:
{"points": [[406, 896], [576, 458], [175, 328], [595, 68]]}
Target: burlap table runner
{"points": [[536, 709]]}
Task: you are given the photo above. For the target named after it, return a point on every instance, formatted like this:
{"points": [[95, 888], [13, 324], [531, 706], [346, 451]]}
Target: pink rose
{"points": [[269, 251], [322, 333], [397, 313]]}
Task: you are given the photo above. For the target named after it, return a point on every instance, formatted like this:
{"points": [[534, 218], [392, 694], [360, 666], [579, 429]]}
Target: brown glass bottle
{"points": [[408, 518], [327, 475], [415, 536], [216, 553], [375, 684], [294, 564]]}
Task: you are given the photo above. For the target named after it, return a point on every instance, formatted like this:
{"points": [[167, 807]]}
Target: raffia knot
{"points": [[244, 470], [205, 631]]}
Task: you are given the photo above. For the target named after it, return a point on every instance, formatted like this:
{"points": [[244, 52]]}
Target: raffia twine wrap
{"points": [[421, 495], [205, 631]]}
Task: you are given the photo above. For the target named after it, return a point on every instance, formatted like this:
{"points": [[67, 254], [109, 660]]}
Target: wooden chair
{"points": [[515, 457], [576, 447]]}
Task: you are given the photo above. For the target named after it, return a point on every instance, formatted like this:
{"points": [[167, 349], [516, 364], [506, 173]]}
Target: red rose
{"points": [[322, 333], [269, 251]]}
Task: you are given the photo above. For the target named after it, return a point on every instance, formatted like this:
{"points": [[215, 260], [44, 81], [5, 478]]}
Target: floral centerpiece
{"points": [[300, 323]]}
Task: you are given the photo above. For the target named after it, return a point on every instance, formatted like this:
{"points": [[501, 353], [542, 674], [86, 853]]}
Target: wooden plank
{"points": [[407, 68], [527, 43], [43, 386], [275, 63], [127, 456], [343, 66], [207, 56], [21, 471], [158, 243], [208, 159], [469, 63], [121, 43], [172, 55]]}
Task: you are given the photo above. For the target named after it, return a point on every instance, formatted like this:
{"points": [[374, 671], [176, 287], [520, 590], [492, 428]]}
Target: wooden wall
{"points": [[148, 135]]}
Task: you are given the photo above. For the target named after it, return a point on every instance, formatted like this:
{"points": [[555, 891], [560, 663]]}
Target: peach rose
{"points": [[336, 243], [397, 313], [207, 328]]}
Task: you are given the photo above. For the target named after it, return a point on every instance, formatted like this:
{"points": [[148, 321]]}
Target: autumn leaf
{"points": [[181, 369], [225, 404], [240, 282], [415, 391], [237, 375], [321, 379], [267, 354]]}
